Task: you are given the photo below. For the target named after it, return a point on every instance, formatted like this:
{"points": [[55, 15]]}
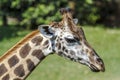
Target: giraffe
{"points": [[63, 38]]}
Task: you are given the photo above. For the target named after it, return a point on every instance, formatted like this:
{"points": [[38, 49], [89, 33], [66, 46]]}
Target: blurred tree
{"points": [[30, 13], [109, 12], [3, 10], [86, 11]]}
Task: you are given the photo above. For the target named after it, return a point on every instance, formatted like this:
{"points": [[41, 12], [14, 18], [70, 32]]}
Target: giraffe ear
{"points": [[46, 30], [75, 20]]}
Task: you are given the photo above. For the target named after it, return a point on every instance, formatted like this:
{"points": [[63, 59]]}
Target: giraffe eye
{"points": [[70, 40]]}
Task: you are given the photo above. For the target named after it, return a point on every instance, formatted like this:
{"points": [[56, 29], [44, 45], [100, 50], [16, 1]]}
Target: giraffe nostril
{"points": [[99, 60], [79, 58]]}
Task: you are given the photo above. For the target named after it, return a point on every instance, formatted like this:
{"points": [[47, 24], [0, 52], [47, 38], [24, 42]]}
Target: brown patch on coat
{"points": [[37, 40], [13, 61], [30, 65], [39, 54], [45, 43], [19, 71], [3, 69], [24, 51]]}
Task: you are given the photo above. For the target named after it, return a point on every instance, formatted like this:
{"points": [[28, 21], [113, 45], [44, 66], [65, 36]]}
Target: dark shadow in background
{"points": [[109, 12], [8, 32]]}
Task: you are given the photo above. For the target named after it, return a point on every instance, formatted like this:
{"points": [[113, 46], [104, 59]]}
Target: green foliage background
{"points": [[31, 13]]}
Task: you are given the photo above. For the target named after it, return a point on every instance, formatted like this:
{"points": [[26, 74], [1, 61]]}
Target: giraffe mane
{"points": [[17, 45]]}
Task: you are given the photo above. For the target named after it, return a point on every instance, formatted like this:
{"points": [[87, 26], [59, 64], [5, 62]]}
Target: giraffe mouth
{"points": [[94, 68]]}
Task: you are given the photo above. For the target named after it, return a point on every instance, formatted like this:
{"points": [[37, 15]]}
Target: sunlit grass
{"points": [[105, 41]]}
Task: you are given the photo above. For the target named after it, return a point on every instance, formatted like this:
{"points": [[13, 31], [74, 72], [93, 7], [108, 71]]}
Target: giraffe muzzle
{"points": [[96, 69]]}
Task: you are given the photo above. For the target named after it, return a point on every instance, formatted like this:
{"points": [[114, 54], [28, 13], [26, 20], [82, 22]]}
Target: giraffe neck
{"points": [[20, 60]]}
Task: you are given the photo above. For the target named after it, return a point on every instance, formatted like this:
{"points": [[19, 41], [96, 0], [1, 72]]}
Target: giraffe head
{"points": [[68, 40]]}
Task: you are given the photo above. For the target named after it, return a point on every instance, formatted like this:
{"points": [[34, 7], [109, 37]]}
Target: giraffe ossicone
{"points": [[63, 38]]}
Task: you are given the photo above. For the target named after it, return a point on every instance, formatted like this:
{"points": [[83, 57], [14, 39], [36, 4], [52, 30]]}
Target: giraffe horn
{"points": [[68, 19], [66, 10]]}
